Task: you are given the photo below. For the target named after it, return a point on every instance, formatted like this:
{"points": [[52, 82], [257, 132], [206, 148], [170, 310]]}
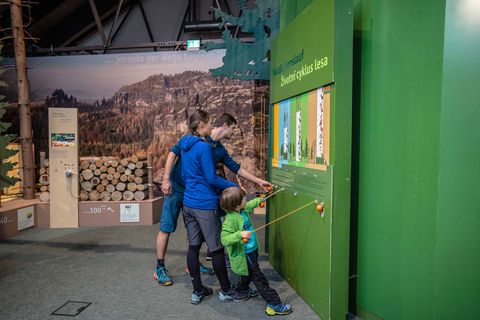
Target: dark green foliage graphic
{"points": [[5, 140], [5, 153], [248, 61]]}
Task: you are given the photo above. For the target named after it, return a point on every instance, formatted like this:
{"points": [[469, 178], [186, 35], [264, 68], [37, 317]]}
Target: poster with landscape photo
{"points": [[132, 104]]}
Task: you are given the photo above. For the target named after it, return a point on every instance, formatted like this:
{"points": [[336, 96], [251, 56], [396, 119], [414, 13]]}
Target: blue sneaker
{"points": [[197, 297], [203, 269], [162, 277], [279, 309], [206, 270], [232, 295]]}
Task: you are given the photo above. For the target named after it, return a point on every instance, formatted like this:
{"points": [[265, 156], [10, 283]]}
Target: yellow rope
{"points": [[282, 189], [284, 216]]}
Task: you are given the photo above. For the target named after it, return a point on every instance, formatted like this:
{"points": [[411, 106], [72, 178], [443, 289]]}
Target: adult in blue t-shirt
{"points": [[173, 186]]}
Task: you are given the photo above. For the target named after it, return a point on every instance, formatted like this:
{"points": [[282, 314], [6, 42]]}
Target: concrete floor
{"points": [[111, 268]]}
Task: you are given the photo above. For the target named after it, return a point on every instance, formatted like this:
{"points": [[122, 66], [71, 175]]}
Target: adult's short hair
{"points": [[225, 118]]}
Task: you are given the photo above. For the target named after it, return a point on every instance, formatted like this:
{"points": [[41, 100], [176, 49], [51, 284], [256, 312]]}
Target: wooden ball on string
{"points": [[320, 207]]}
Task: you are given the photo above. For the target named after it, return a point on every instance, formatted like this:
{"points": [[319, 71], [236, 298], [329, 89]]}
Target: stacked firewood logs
{"points": [[108, 179], [44, 179]]}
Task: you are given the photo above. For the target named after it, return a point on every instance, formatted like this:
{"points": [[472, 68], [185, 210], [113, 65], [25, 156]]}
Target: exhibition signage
{"points": [[130, 212], [26, 218], [303, 61], [310, 153]]}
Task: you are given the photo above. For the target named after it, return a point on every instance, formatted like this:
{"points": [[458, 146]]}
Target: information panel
{"points": [[302, 54], [63, 157], [301, 130]]}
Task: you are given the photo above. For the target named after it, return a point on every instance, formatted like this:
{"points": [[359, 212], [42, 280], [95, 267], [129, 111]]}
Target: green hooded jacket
{"points": [[231, 237]]}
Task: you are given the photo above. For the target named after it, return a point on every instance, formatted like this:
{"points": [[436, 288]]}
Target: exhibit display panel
{"points": [[301, 130], [63, 156], [310, 155], [301, 246]]}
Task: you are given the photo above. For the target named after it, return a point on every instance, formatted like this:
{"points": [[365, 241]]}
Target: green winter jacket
{"points": [[231, 237]]}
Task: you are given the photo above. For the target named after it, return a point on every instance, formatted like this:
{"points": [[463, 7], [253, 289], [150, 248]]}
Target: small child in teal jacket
{"points": [[244, 256]]}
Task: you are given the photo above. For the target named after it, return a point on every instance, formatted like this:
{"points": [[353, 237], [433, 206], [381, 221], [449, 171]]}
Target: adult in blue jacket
{"points": [[200, 208], [173, 188]]}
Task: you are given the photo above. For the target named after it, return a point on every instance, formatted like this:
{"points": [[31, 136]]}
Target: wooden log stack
{"points": [[108, 179], [44, 178]]}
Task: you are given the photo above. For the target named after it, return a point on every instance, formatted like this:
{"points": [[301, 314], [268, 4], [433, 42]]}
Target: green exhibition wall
{"points": [[290, 9], [398, 79], [416, 159], [457, 254], [308, 249], [415, 242]]}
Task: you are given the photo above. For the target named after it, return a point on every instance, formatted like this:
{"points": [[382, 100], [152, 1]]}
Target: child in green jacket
{"points": [[244, 256]]}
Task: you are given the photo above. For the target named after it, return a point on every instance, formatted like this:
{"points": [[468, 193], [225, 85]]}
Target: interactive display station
{"points": [[309, 145]]}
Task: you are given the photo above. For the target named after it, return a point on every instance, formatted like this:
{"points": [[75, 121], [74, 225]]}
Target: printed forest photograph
{"points": [[135, 104]]}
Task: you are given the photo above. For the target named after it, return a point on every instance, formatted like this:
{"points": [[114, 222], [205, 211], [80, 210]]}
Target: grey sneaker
{"points": [[197, 297], [232, 295]]}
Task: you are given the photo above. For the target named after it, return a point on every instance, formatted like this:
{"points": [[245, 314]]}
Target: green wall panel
{"points": [[306, 62], [417, 159], [399, 62], [302, 241], [289, 9], [457, 275]]}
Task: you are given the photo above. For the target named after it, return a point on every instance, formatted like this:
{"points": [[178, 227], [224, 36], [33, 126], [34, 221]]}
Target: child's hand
{"points": [[246, 234]]}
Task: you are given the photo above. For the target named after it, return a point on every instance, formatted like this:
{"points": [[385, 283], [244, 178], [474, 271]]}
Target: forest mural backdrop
{"points": [[139, 103]]}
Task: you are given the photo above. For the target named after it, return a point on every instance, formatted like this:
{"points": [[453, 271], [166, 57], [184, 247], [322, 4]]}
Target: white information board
{"points": [[26, 217], [129, 212]]}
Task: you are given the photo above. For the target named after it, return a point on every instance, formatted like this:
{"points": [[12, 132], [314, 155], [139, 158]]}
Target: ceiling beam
{"points": [[88, 29], [145, 19], [158, 45], [124, 18], [98, 22], [50, 20], [114, 24], [187, 10]]}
